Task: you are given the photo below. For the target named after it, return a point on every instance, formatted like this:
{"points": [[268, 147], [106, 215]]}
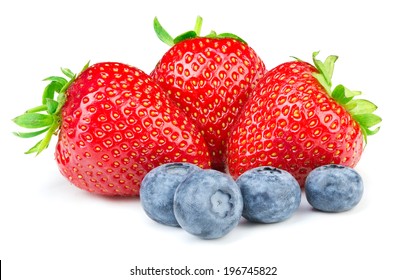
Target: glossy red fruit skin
{"points": [[117, 124], [290, 122], [210, 79]]}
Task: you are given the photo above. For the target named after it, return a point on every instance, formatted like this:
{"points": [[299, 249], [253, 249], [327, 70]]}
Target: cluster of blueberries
{"points": [[209, 204]]}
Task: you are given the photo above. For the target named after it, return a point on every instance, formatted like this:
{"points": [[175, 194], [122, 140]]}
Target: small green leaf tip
{"points": [[361, 110], [165, 37], [46, 118], [162, 34]]}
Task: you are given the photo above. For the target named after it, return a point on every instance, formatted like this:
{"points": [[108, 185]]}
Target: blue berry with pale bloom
{"points": [[158, 189], [270, 194], [334, 188], [208, 204]]}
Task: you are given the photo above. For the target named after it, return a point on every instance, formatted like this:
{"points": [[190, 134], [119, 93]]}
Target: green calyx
{"points": [[164, 36], [361, 110], [46, 118]]}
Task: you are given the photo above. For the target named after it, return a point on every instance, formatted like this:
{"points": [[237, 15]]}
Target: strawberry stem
{"points": [[46, 118], [198, 25]]}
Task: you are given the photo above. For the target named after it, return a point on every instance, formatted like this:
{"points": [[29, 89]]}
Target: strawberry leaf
{"points": [[185, 36], [68, 73], [326, 70], [329, 66], [367, 120], [343, 95], [369, 132], [83, 69], [162, 34], [48, 121], [37, 109], [360, 106], [33, 120], [232, 36], [56, 79], [52, 106], [34, 149], [30, 134], [50, 89], [211, 35], [192, 33], [360, 109], [323, 82]]}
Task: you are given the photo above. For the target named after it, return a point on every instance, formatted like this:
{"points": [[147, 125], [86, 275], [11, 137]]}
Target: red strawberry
{"points": [[115, 125], [294, 121], [210, 78]]}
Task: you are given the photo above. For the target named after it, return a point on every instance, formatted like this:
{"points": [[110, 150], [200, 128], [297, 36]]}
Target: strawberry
{"points": [[296, 122], [210, 78], [115, 124]]}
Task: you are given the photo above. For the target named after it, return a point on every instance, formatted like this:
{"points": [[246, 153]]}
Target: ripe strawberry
{"points": [[115, 124], [294, 121], [210, 78]]}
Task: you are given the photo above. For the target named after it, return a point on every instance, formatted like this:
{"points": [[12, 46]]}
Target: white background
{"points": [[52, 230]]}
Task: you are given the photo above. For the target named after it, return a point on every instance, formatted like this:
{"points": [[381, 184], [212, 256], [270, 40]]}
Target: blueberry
{"points": [[158, 189], [333, 188], [270, 195], [208, 204]]}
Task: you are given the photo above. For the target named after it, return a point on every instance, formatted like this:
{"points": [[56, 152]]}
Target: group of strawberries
{"points": [[209, 101]]}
